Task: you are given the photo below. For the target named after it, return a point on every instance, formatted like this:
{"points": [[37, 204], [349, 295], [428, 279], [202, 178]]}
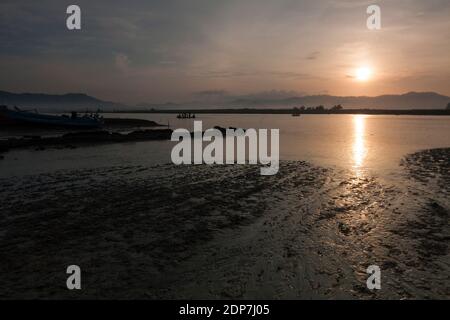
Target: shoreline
{"points": [[40, 137], [431, 112], [82, 138]]}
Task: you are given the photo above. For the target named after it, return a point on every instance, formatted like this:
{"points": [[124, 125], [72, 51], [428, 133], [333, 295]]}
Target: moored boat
{"points": [[22, 117], [186, 115], [296, 112]]}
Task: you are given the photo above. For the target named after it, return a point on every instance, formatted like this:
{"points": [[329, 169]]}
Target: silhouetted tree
{"points": [[320, 108], [337, 107]]}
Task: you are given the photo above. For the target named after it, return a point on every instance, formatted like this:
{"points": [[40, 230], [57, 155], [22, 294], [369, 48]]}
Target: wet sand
{"points": [[227, 232]]}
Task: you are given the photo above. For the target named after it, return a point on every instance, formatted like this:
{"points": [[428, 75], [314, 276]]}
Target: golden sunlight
{"points": [[363, 74], [359, 147]]}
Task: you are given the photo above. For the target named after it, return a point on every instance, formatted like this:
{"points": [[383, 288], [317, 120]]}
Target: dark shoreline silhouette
{"points": [[82, 102], [74, 139], [417, 112]]}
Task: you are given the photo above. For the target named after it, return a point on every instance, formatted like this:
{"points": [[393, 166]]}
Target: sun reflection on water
{"points": [[359, 144]]}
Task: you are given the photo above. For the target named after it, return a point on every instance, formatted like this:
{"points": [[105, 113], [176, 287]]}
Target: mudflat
{"points": [[206, 232]]}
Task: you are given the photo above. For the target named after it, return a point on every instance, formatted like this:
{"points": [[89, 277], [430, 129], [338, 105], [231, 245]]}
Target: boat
{"points": [[186, 115], [296, 112], [25, 117]]}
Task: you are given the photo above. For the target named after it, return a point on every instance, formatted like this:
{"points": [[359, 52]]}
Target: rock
{"points": [[161, 134], [110, 122], [343, 228], [70, 140], [3, 148]]}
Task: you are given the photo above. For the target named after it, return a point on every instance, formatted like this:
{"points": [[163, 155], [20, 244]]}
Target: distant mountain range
{"points": [[52, 102], [80, 101], [411, 100]]}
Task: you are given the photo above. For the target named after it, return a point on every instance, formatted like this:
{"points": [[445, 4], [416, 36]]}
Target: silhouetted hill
{"points": [[52, 102], [411, 100], [80, 101]]}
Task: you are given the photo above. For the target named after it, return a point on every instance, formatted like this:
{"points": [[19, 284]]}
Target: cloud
{"points": [[313, 55], [171, 48], [255, 73], [209, 93]]}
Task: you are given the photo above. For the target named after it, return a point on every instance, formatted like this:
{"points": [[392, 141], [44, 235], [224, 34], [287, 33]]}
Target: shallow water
{"points": [[363, 143]]}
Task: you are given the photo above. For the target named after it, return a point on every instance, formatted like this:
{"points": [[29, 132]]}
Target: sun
{"points": [[363, 74]]}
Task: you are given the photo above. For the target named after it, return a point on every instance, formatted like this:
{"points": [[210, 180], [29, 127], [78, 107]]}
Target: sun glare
{"points": [[359, 143], [363, 73]]}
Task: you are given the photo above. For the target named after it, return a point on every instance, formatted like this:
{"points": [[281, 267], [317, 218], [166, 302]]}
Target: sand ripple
{"points": [[227, 232]]}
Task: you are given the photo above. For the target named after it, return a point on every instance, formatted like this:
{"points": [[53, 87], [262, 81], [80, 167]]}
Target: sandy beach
{"points": [[214, 232]]}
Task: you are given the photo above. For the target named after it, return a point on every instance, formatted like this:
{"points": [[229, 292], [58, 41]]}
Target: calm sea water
{"points": [[363, 143]]}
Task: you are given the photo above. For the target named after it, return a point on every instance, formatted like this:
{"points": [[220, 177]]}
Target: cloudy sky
{"points": [[169, 50]]}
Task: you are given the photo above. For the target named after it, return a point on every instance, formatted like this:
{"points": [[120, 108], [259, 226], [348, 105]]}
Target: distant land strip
{"points": [[415, 112]]}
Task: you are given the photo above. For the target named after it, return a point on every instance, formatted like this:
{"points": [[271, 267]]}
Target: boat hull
{"points": [[11, 117]]}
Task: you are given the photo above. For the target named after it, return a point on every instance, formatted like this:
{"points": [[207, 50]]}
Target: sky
{"points": [[177, 50]]}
